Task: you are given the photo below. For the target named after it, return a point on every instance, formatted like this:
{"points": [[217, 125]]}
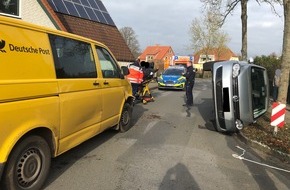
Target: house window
{"points": [[205, 58], [10, 8], [149, 58]]}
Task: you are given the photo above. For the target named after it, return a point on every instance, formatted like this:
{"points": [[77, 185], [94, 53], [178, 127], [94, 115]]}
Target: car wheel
{"points": [[125, 120], [28, 165]]}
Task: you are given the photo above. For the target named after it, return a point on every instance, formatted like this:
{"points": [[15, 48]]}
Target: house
{"points": [[86, 18], [160, 55], [212, 54]]}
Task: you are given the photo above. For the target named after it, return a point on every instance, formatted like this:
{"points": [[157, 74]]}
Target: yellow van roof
{"points": [[20, 23]]}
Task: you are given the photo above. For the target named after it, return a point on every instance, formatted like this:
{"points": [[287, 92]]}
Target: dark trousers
{"points": [[135, 88], [189, 96], [275, 93]]}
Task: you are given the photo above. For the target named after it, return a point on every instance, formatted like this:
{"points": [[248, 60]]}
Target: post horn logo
{"points": [[2, 45]]}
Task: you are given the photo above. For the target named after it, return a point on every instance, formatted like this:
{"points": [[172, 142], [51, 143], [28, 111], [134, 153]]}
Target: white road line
{"points": [[266, 165], [149, 126]]}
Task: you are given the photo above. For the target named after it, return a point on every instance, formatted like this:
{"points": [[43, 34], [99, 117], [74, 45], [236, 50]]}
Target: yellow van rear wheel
{"points": [[28, 165], [126, 116]]}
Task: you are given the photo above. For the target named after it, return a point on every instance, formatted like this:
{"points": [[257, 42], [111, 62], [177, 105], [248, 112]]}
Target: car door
{"points": [[259, 90], [79, 90], [112, 83]]}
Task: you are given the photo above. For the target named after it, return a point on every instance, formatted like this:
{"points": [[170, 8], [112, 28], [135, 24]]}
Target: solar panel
{"points": [[94, 5], [92, 14], [70, 6], [85, 3], [76, 1], [87, 9], [101, 6]]}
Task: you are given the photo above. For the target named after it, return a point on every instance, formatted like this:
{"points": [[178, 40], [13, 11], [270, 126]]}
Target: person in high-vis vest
{"points": [[135, 76]]}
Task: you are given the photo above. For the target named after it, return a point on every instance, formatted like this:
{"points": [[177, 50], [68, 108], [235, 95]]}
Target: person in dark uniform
{"points": [[190, 77], [276, 84]]}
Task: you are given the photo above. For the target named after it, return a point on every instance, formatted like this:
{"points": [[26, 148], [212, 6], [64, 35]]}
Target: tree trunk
{"points": [[283, 89], [244, 18]]}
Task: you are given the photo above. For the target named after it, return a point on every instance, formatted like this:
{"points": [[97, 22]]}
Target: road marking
{"points": [[266, 165], [149, 126]]}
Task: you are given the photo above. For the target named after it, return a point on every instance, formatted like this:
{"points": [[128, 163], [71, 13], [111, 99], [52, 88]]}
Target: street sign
{"points": [[278, 114]]}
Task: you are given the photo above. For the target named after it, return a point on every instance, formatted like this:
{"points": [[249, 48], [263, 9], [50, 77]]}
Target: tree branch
{"points": [[230, 7], [271, 3]]}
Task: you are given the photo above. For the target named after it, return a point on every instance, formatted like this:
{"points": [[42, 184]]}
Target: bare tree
{"points": [[285, 65], [131, 40], [226, 7], [206, 34]]}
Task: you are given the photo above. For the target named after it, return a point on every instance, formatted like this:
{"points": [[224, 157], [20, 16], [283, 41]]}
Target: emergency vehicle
{"points": [[181, 60]]}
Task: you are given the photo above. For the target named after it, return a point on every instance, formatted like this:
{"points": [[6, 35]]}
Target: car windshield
{"points": [[173, 72]]}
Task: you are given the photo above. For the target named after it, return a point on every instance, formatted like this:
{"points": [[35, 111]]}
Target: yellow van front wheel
{"points": [[28, 165], [126, 116]]}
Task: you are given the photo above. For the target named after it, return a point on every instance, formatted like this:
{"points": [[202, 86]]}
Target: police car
{"points": [[172, 78]]}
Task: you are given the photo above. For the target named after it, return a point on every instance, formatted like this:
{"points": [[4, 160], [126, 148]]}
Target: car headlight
{"points": [[239, 124], [236, 70], [181, 80]]}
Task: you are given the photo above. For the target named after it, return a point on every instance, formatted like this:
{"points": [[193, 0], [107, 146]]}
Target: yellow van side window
{"points": [[72, 58], [108, 65]]}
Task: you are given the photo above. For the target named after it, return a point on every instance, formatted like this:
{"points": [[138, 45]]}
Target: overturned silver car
{"points": [[240, 93]]}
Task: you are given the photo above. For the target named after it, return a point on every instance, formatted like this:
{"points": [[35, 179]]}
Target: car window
{"points": [[259, 95], [72, 58], [108, 65], [173, 72]]}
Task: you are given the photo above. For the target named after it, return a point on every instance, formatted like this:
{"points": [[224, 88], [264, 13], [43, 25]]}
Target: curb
{"points": [[260, 146]]}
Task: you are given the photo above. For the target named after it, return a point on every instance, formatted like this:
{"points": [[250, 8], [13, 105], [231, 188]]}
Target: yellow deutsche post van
{"points": [[56, 91]]}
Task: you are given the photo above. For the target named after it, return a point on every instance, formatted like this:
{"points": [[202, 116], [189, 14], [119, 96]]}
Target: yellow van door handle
{"points": [[106, 83], [96, 83]]}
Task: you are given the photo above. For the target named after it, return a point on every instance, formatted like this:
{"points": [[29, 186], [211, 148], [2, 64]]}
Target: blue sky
{"points": [[167, 22]]}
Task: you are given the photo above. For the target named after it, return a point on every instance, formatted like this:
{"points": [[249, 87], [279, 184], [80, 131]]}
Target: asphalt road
{"points": [[170, 147]]}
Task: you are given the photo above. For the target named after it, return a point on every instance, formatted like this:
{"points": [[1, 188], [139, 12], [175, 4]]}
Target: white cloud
{"points": [[267, 24], [167, 22]]}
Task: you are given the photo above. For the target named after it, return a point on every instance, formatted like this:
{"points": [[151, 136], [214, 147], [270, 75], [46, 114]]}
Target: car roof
{"points": [[176, 67]]}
